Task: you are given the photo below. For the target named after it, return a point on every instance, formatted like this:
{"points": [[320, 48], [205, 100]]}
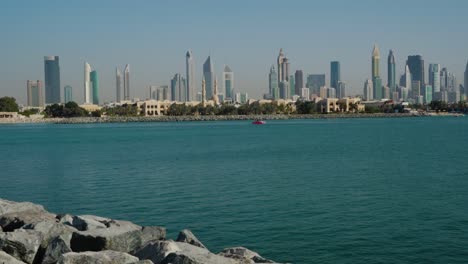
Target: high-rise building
{"points": [[391, 76], [466, 82], [416, 66], [95, 86], [87, 84], [376, 80], [408, 78], [335, 74], [305, 93], [284, 90], [292, 86], [209, 75], [52, 79], [283, 67], [118, 85], [314, 82], [127, 82], [415, 89], [428, 94], [273, 83], [190, 76], [368, 90], [228, 82], [434, 80], [341, 90], [35, 94], [298, 82], [68, 92], [178, 88]]}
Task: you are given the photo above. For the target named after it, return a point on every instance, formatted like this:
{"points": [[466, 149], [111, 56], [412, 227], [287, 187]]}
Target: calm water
{"points": [[316, 191]]}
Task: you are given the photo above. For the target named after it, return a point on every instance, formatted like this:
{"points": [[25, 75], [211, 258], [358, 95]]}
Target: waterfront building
{"points": [[335, 74], [52, 79], [87, 83], [127, 82], [284, 90], [273, 83], [391, 72], [241, 98], [68, 92], [368, 90], [228, 82], [434, 80], [95, 87], [416, 66], [466, 82], [341, 90], [118, 85], [314, 82], [305, 93], [209, 76], [404, 93], [427, 94], [415, 89], [292, 85], [190, 76], [378, 88], [298, 82], [35, 94], [376, 80], [283, 67], [178, 88]]}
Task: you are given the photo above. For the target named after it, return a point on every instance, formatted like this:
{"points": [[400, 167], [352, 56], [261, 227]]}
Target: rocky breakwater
{"points": [[30, 234]]}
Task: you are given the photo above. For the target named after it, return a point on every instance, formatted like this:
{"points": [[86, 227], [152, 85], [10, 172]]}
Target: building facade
{"points": [[209, 76], [416, 67], [35, 93], [376, 80], [127, 82], [68, 93], [273, 83], [391, 72], [87, 84], [335, 74], [434, 80], [178, 88], [95, 87], [298, 82], [228, 82], [341, 90], [314, 82], [368, 90], [190, 76], [52, 79], [118, 85]]}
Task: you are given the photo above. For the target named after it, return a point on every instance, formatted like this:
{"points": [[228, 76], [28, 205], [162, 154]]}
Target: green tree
{"points": [[8, 104]]}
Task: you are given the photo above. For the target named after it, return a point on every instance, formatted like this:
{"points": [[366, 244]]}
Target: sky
{"points": [[154, 35]]}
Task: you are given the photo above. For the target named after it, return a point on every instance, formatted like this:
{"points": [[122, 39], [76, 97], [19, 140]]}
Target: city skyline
{"points": [[155, 64]]}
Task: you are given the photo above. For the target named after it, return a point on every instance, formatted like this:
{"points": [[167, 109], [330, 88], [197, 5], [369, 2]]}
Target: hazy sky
{"points": [[153, 36]]}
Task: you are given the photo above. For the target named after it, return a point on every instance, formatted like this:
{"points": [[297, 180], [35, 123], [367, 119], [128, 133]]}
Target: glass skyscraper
{"points": [[434, 80], [209, 75], [52, 79], [391, 75], [314, 82], [299, 82], [376, 80], [335, 74], [228, 81], [68, 92], [35, 95], [273, 83], [95, 87], [416, 67]]}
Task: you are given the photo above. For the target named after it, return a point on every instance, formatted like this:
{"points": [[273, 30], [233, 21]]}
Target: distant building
{"points": [[391, 72], [228, 82], [434, 80], [292, 85], [376, 80], [299, 82], [335, 74], [283, 67], [368, 90], [284, 90], [209, 75], [95, 86], [35, 93], [178, 88], [241, 98], [118, 85], [416, 67], [273, 83], [305, 93], [314, 82], [68, 92], [87, 84], [466, 82], [127, 82], [415, 89], [52, 79], [427, 94], [326, 92], [341, 90], [190, 76], [378, 88]]}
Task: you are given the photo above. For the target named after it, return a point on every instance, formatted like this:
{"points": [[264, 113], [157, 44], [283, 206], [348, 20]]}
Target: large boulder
{"points": [[151, 233], [51, 230], [102, 257], [165, 252], [21, 244], [14, 215], [187, 236], [55, 249], [7, 259], [106, 234], [244, 253]]}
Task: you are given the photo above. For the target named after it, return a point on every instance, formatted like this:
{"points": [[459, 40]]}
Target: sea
{"points": [[387, 190]]}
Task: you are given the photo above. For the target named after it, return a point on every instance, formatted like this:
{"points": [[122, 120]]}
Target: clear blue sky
{"points": [[153, 36]]}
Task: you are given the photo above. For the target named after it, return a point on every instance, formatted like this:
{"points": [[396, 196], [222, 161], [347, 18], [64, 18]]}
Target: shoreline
{"points": [[133, 119]]}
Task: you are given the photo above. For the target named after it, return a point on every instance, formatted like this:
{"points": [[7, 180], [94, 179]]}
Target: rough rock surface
{"points": [[102, 257], [151, 233], [55, 249], [187, 236], [21, 244], [7, 259], [244, 253], [15, 215]]}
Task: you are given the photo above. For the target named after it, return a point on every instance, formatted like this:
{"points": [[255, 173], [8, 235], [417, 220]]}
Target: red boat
{"points": [[258, 122]]}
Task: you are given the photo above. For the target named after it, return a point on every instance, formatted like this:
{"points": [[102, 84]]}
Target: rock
{"points": [[103, 257], [21, 244], [244, 253], [7, 259], [51, 230], [15, 215], [187, 236], [151, 233], [56, 248], [165, 252]]}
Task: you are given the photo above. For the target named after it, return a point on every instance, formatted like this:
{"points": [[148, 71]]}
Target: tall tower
{"points": [[335, 74], [391, 74], [95, 87], [127, 82], [434, 80], [408, 78], [87, 83], [280, 65], [215, 92], [52, 79], [118, 85], [466, 82], [190, 76], [209, 75], [178, 88], [68, 93], [35, 96], [203, 91], [376, 80], [273, 83], [416, 66], [368, 90], [298, 82], [228, 82]]}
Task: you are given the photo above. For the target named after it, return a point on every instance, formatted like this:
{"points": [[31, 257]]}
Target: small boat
{"points": [[258, 122]]}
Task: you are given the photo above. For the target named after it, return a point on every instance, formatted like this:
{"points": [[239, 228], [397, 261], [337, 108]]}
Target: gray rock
{"points": [[21, 244], [15, 215], [51, 230], [187, 236], [7, 259], [56, 248], [151, 233], [244, 253], [165, 252], [103, 257]]}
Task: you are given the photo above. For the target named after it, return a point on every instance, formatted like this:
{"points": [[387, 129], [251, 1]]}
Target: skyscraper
{"points": [[391, 76], [95, 87], [292, 86], [118, 85], [335, 74], [376, 80], [178, 88], [127, 82], [283, 67], [52, 79], [209, 75], [228, 82], [408, 78], [341, 90], [368, 90], [434, 80], [87, 83], [466, 82], [299, 82], [273, 83], [416, 66], [314, 82], [35, 94], [284, 90], [190, 76], [68, 92]]}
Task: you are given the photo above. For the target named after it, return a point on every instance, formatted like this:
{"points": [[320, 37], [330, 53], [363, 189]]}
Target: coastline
{"points": [[132, 119]]}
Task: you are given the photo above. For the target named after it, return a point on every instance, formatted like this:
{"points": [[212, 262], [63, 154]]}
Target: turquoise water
{"points": [[309, 191]]}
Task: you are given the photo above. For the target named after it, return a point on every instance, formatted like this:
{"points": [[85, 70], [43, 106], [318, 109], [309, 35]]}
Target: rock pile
{"points": [[30, 234]]}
